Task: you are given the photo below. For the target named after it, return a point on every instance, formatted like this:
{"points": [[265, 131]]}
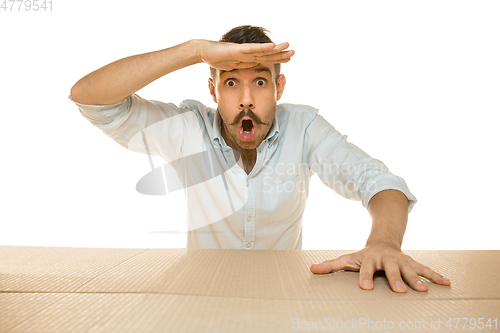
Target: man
{"points": [[265, 153]]}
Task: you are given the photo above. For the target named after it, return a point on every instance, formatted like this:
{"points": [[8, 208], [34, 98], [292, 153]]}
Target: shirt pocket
{"points": [[285, 196]]}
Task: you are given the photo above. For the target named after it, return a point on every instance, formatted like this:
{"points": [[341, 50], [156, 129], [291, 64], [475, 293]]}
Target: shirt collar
{"points": [[216, 134], [216, 131]]}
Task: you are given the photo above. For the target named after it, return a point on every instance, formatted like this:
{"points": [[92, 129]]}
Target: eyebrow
{"points": [[257, 70]]}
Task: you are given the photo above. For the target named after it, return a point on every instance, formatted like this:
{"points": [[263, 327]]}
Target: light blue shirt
{"points": [[228, 208]]}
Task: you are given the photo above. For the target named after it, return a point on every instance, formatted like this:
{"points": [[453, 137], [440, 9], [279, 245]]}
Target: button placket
{"points": [[249, 219]]}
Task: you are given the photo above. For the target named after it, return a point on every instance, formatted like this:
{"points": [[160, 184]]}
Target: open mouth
{"points": [[247, 130], [247, 125]]}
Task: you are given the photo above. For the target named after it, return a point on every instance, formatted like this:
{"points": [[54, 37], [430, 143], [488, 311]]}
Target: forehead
{"points": [[259, 70]]}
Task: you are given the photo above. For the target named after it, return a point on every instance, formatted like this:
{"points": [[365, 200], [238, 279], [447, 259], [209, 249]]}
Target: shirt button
{"points": [[247, 183], [249, 219], [229, 154], [248, 245]]}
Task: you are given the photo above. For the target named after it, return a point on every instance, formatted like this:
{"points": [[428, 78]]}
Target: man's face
{"points": [[246, 101]]}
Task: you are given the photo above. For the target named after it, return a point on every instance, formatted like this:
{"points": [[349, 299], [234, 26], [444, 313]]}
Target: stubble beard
{"points": [[256, 120]]}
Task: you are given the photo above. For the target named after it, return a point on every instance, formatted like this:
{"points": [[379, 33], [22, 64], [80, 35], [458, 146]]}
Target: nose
{"points": [[246, 98]]}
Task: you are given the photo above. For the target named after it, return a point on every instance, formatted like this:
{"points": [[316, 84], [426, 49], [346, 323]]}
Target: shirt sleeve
{"points": [[144, 126], [347, 169]]}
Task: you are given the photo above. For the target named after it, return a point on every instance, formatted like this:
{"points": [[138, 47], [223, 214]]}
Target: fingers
{"points": [[391, 268], [325, 267], [331, 266], [411, 277], [410, 271], [397, 266], [282, 61], [243, 65], [366, 274], [262, 49], [430, 274], [266, 52], [394, 271], [282, 46], [228, 56], [275, 57]]}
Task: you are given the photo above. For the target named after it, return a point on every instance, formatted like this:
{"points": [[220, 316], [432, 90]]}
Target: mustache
{"points": [[247, 113]]}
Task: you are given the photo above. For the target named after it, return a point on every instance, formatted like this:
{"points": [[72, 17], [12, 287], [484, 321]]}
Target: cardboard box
{"points": [[45, 289]]}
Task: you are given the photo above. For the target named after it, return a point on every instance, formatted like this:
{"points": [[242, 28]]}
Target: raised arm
{"points": [[120, 79]]}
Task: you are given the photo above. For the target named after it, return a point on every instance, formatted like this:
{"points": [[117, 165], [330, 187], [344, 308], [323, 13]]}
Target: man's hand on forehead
{"points": [[229, 56]]}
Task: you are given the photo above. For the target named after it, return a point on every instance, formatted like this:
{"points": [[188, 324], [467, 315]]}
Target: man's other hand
{"points": [[396, 264], [228, 56]]}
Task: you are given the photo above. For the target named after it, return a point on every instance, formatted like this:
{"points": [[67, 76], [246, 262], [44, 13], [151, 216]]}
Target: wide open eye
{"points": [[261, 82], [231, 83]]}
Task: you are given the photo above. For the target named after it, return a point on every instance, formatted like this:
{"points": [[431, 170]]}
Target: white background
{"points": [[414, 84]]}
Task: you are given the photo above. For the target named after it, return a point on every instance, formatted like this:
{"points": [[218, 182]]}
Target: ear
{"points": [[281, 86], [211, 87]]}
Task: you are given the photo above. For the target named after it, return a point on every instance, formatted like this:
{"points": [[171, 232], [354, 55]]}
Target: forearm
{"points": [[389, 212], [120, 79]]}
